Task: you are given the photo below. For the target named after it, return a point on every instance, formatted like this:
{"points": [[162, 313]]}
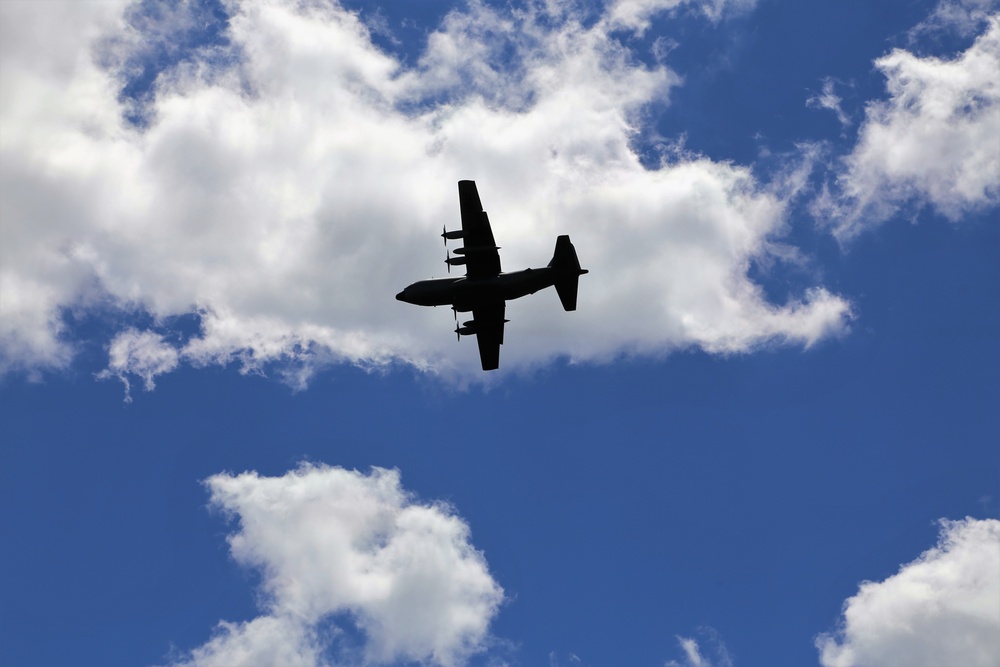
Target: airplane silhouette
{"points": [[485, 290]]}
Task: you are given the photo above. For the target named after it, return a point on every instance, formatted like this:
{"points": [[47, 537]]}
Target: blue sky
{"points": [[767, 437]]}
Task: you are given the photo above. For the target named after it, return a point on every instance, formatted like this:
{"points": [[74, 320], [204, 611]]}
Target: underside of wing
{"points": [[489, 320], [481, 258]]}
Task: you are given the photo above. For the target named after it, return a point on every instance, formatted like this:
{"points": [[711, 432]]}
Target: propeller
{"points": [[447, 256], [444, 234]]}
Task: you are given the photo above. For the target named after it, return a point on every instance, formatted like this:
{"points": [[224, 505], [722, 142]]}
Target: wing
{"points": [[480, 250], [489, 332]]}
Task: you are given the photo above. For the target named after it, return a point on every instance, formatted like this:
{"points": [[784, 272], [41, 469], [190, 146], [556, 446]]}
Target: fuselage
{"points": [[464, 293]]}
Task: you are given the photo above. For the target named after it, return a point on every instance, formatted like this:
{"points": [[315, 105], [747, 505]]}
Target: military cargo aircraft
{"points": [[484, 290]]}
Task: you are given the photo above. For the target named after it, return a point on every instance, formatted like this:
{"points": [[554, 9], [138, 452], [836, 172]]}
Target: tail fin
{"points": [[568, 271]]}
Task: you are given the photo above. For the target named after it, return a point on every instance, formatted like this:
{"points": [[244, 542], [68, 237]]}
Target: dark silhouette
{"points": [[485, 289]]}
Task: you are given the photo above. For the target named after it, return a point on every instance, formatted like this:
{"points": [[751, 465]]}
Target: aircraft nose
{"points": [[401, 296]]}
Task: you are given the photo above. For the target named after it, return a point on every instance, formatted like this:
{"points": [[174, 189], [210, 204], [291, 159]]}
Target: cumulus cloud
{"points": [[45, 66], [287, 184], [335, 546], [933, 141], [941, 609]]}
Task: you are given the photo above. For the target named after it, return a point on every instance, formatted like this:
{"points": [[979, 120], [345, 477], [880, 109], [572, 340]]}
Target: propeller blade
{"points": [[447, 258]]}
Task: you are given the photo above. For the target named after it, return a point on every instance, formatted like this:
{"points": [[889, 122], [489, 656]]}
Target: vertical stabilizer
{"points": [[568, 272]]}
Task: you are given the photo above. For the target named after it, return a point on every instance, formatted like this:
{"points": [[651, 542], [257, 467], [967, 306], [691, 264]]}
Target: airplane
{"points": [[485, 289]]}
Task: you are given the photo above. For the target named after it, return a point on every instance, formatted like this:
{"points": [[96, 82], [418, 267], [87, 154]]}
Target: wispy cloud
{"points": [[715, 655], [637, 15], [829, 100], [964, 17], [931, 142], [142, 353]]}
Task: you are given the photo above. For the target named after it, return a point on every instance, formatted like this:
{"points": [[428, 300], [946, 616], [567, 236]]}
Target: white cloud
{"points": [[43, 128], [965, 17], [934, 141], [266, 641], [142, 353], [828, 99], [330, 542], [717, 655], [288, 198], [941, 609], [636, 15]]}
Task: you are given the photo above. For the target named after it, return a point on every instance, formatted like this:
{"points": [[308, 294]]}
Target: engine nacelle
{"points": [[455, 261], [467, 329]]}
